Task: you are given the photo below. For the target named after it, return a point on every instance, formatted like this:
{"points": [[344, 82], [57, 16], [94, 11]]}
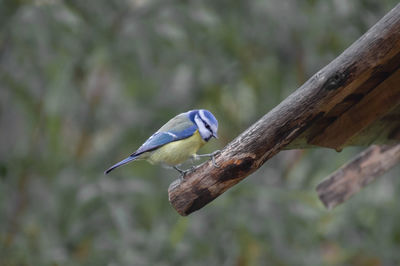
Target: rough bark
{"points": [[361, 171], [306, 114]]}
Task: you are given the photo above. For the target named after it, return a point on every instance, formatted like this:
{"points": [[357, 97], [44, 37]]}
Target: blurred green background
{"points": [[84, 83]]}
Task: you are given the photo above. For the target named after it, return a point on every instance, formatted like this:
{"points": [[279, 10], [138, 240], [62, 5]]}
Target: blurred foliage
{"points": [[84, 83]]}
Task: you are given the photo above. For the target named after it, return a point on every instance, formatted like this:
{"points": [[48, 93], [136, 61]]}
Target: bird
{"points": [[176, 141]]}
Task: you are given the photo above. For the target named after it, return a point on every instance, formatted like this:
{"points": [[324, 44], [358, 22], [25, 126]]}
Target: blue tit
{"points": [[178, 140]]}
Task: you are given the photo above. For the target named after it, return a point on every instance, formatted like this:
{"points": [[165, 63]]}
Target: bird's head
{"points": [[206, 123]]}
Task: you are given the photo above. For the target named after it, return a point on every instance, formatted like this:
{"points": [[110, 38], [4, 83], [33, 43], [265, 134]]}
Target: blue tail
{"points": [[125, 161]]}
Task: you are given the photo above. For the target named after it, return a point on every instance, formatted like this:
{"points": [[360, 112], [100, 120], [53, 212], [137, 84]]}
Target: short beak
{"points": [[215, 135]]}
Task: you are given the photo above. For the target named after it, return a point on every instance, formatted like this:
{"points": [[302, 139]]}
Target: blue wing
{"points": [[179, 127], [159, 139]]}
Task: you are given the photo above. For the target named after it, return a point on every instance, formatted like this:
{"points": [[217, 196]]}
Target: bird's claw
{"points": [[213, 158], [183, 172]]}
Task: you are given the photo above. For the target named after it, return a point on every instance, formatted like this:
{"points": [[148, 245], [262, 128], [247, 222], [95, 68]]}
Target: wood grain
{"points": [[361, 171], [373, 106]]}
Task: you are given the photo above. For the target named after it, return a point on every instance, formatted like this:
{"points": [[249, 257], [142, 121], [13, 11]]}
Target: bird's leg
{"points": [[182, 172], [212, 156]]}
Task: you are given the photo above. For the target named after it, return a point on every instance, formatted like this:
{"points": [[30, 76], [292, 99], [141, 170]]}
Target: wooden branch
{"points": [[383, 131], [354, 71], [361, 171], [370, 108]]}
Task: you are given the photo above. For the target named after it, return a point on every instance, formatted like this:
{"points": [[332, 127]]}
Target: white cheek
{"points": [[204, 132], [214, 129]]}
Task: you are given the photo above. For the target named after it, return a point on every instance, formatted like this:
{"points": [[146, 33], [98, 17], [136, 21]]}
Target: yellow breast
{"points": [[177, 152]]}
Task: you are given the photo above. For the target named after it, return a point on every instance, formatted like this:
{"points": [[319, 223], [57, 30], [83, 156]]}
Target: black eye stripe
{"points": [[205, 124]]}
